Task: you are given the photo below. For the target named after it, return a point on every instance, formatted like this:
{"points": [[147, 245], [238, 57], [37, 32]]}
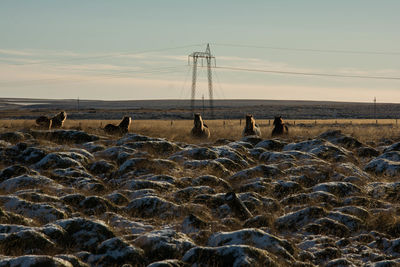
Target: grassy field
{"points": [[365, 130], [290, 197]]}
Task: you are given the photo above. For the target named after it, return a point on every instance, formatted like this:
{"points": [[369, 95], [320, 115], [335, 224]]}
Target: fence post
{"points": [[240, 122], [269, 122]]}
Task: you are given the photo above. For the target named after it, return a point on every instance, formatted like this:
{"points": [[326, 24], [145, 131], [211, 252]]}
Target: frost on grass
{"points": [[152, 206], [26, 181], [164, 244], [79, 200], [253, 237], [232, 255], [42, 212], [84, 233], [387, 164]]}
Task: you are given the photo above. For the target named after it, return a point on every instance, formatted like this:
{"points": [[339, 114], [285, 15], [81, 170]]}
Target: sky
{"points": [[113, 50]]}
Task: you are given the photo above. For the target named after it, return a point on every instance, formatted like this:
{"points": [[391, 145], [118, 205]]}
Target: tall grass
{"points": [[178, 130]]}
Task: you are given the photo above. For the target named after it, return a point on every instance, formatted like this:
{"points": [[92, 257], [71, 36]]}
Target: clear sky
{"points": [[109, 50]]}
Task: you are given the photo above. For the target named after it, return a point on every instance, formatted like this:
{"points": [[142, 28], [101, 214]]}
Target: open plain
{"points": [[20, 108], [327, 194], [151, 134]]}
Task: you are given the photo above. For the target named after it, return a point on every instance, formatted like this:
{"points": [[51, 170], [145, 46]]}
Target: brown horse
{"points": [[43, 123], [58, 120], [200, 129], [121, 129], [251, 127], [279, 127]]}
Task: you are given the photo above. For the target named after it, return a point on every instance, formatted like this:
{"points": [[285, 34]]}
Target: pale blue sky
{"points": [[89, 49]]}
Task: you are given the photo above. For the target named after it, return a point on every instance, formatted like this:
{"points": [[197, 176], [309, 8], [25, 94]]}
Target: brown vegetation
{"points": [[177, 130], [187, 191]]}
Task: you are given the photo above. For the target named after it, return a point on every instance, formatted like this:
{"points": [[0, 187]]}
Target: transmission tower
{"points": [[209, 59]]}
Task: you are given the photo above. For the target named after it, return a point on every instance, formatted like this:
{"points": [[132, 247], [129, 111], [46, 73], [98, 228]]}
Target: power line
{"points": [[107, 55], [174, 69], [311, 50], [310, 73], [219, 84], [164, 70], [150, 71], [184, 82]]}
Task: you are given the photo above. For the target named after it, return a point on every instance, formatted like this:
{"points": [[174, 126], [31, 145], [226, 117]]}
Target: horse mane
{"points": [[126, 121], [200, 129], [43, 122], [62, 116], [250, 122], [198, 121], [279, 127], [278, 121]]}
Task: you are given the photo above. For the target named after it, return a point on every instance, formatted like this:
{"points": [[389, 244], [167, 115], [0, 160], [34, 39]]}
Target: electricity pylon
{"points": [[209, 58]]}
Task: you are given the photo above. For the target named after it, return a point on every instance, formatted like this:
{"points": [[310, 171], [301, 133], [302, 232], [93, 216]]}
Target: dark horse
{"points": [[279, 127], [43, 122], [120, 129], [200, 129], [251, 127], [58, 120], [47, 123]]}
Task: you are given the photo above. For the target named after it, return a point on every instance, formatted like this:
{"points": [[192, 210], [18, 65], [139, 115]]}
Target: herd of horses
{"points": [[55, 122], [200, 129]]}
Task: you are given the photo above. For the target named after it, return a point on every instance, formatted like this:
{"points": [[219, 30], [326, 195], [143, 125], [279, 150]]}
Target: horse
{"points": [[200, 129], [58, 120], [43, 123], [120, 129], [251, 127], [279, 127]]}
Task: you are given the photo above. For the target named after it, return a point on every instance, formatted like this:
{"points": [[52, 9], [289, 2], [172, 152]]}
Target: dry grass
{"points": [[387, 222], [178, 130]]}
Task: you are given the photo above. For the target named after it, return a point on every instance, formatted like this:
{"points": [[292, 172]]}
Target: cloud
{"points": [[70, 61], [153, 75], [237, 58], [10, 52], [95, 67], [40, 53], [376, 72]]}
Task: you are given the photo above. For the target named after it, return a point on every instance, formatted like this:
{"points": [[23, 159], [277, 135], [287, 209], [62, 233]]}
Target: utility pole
{"points": [[78, 103], [209, 59], [375, 108], [202, 98]]}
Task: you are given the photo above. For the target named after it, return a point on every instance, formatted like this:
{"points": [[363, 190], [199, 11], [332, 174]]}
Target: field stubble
{"points": [[365, 130]]}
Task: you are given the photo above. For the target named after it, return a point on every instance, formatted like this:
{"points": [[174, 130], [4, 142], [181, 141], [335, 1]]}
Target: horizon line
{"points": [[182, 100]]}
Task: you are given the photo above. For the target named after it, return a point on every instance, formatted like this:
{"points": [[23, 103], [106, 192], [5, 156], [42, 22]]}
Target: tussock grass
{"points": [[365, 130]]}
